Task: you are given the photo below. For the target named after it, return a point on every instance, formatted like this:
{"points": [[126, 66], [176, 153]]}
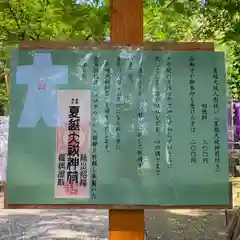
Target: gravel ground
{"points": [[93, 224]]}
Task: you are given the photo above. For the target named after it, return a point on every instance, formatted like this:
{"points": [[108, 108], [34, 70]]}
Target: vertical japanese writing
{"points": [[94, 128], [140, 115], [130, 68], [192, 93], [157, 116], [118, 103], [84, 71], [205, 151], [169, 112], [216, 119], [193, 151], [61, 170], [73, 145], [107, 79], [83, 170], [204, 116], [204, 113]]}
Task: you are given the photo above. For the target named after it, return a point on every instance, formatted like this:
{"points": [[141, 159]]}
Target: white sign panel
{"points": [[72, 170]]}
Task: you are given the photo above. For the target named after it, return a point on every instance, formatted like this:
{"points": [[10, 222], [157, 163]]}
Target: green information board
{"points": [[118, 127]]}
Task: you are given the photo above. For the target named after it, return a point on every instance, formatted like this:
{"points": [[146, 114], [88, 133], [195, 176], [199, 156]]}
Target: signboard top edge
{"points": [[163, 45]]}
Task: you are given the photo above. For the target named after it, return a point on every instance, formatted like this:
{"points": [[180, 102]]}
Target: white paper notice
{"points": [[73, 141]]}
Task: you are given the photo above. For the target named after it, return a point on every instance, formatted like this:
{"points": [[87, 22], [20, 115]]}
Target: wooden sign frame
{"points": [[157, 46]]}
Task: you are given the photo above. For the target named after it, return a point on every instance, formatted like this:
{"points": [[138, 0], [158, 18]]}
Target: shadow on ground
{"points": [[93, 224]]}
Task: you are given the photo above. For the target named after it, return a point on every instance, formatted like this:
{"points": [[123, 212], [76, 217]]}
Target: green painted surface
{"points": [[31, 152]]}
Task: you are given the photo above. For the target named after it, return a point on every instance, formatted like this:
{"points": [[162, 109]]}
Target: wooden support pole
{"points": [[126, 22], [126, 27], [126, 224]]}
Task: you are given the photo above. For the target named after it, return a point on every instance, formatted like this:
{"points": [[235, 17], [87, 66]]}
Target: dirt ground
{"points": [[93, 224]]}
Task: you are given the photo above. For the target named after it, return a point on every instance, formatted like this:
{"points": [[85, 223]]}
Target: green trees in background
{"points": [[189, 20], [179, 20], [46, 20]]}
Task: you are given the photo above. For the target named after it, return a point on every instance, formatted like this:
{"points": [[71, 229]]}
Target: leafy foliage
{"points": [[179, 20], [189, 20], [46, 20]]}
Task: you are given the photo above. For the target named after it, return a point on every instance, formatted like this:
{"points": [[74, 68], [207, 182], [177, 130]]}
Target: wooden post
{"points": [[126, 27], [126, 22]]}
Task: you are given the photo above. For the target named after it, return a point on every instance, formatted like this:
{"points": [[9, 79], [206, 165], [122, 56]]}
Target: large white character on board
{"points": [[41, 101]]}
